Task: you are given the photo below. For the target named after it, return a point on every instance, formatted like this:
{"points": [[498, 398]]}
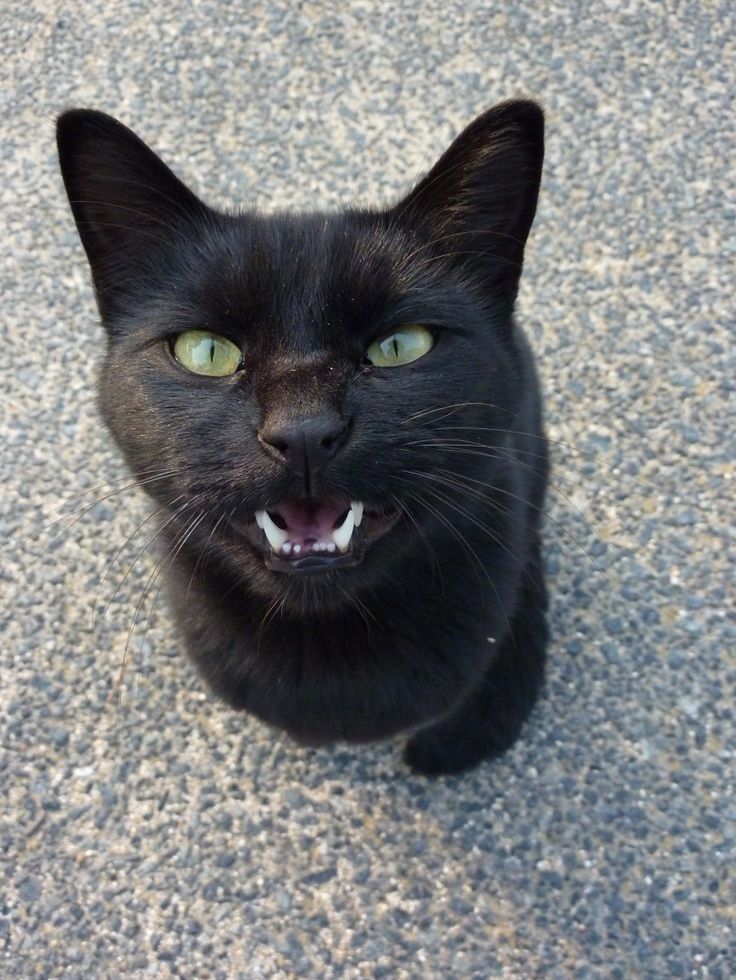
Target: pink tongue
{"points": [[306, 517]]}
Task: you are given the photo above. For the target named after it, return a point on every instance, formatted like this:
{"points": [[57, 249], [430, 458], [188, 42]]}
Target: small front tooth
{"points": [[276, 537], [342, 535], [260, 514], [357, 508]]}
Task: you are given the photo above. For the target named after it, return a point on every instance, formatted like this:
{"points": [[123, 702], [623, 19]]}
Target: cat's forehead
{"points": [[312, 267]]}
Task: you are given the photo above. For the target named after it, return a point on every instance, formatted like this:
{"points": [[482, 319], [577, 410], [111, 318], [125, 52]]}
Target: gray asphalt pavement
{"points": [[174, 838]]}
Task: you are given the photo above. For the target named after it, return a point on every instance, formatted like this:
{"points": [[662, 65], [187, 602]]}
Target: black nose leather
{"points": [[306, 444]]}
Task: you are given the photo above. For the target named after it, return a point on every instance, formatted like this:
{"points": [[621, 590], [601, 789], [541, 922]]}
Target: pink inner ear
{"points": [[314, 517]]}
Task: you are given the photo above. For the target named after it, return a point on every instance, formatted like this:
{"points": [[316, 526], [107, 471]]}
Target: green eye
{"points": [[406, 345], [207, 353]]}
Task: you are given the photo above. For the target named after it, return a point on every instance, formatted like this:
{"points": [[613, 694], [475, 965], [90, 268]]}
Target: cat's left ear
{"points": [[129, 207], [478, 201]]}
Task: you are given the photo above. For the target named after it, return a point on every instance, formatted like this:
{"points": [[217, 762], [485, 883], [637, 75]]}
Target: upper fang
{"points": [[342, 535], [276, 537]]}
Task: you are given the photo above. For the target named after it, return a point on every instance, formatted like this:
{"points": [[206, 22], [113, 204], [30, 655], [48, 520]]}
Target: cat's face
{"points": [[282, 386]]}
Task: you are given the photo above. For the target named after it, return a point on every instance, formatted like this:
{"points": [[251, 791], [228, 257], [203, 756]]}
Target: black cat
{"points": [[342, 424]]}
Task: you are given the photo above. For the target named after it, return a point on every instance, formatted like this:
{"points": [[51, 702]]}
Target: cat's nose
{"points": [[305, 445]]}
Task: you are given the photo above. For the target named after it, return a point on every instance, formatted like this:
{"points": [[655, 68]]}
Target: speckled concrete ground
{"points": [[179, 839]]}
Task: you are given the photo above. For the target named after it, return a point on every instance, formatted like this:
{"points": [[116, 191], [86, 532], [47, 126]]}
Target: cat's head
{"points": [[276, 382]]}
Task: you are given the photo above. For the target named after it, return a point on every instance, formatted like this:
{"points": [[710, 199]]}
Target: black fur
{"points": [[440, 631]]}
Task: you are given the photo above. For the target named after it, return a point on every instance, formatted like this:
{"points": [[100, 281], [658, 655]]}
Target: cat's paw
{"points": [[431, 754], [442, 750]]}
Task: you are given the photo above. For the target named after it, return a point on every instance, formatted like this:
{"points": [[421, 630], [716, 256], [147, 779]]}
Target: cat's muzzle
{"points": [[307, 536]]}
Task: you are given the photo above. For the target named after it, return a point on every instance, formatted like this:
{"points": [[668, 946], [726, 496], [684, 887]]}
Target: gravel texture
{"points": [[172, 837]]}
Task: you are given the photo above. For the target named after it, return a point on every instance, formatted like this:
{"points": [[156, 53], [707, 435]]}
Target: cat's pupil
{"points": [[396, 347], [212, 350]]}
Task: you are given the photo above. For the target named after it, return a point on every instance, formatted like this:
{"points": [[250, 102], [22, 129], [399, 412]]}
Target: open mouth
{"points": [[317, 535]]}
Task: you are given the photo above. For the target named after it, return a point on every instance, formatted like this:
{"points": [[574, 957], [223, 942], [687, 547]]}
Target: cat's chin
{"points": [[313, 564], [307, 537]]}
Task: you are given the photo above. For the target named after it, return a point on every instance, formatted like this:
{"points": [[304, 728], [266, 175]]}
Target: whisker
{"points": [[432, 442], [551, 485], [473, 520], [461, 538], [430, 547], [225, 519], [169, 556], [553, 442], [528, 503], [474, 449], [277, 601], [80, 512], [455, 407], [158, 591], [119, 551], [361, 608], [456, 446], [202, 551], [144, 549]]}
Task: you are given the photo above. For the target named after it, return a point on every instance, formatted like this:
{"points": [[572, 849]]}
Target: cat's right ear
{"points": [[129, 207]]}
